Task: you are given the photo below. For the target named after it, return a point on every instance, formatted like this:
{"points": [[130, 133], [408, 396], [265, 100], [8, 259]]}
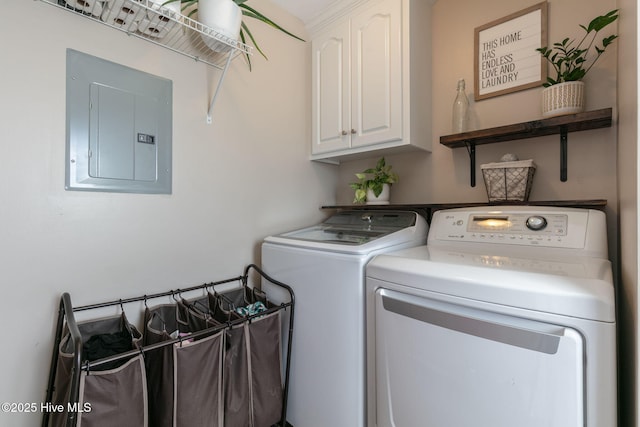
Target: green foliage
{"points": [[374, 179], [570, 60], [245, 33]]}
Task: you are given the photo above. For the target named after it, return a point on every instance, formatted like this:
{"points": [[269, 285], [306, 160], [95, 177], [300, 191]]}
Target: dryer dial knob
{"points": [[536, 223]]}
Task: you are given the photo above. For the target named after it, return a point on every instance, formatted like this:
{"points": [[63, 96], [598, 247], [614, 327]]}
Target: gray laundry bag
{"points": [[265, 360], [109, 395], [204, 311], [254, 354], [184, 378]]}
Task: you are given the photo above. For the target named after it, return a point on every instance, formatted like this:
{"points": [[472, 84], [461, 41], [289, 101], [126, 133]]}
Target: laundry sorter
{"points": [[211, 360]]}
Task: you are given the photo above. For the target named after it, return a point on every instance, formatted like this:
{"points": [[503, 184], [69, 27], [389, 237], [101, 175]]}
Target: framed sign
{"points": [[505, 53]]}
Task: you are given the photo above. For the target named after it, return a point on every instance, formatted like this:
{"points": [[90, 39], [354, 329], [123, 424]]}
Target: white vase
{"points": [[223, 16], [382, 199], [563, 98]]}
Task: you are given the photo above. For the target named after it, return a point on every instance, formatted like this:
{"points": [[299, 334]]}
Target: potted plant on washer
{"points": [[571, 62], [226, 17], [373, 185]]}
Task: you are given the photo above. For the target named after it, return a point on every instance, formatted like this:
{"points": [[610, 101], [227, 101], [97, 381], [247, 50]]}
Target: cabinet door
{"points": [[377, 74], [331, 90]]}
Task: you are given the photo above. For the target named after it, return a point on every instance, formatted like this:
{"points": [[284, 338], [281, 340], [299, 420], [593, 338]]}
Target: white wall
{"points": [[245, 176]]}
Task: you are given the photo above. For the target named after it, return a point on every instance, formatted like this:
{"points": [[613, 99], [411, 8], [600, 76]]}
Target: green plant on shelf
{"points": [[373, 179], [570, 60]]}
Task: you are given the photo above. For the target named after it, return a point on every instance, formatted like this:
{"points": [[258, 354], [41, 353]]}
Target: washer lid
{"points": [[358, 232], [576, 286], [355, 227], [342, 235]]}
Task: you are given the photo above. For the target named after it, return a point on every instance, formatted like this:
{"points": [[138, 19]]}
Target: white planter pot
{"points": [[563, 98], [223, 16], [382, 199]]}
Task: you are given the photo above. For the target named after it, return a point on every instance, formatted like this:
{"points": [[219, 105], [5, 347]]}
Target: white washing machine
{"points": [[325, 265], [505, 318]]}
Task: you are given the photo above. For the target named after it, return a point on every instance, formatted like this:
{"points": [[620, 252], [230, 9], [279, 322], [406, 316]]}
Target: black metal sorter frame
{"points": [[66, 312]]}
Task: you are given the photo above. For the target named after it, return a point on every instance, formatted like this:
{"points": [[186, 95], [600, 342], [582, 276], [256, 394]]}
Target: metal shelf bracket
{"points": [[218, 86], [471, 150], [563, 153]]}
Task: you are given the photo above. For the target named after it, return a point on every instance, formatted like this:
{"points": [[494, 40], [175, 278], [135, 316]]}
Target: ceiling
{"points": [[304, 9]]}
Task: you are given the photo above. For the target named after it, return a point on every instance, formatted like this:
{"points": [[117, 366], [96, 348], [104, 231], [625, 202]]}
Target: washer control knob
{"points": [[536, 223]]}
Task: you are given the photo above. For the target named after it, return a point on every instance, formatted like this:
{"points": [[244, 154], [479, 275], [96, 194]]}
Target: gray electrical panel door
{"points": [[118, 127]]}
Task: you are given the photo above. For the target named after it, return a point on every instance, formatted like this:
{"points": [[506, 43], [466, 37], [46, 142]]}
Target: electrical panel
{"points": [[119, 127]]}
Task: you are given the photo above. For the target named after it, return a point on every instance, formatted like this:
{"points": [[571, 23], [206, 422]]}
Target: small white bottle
{"points": [[460, 110]]}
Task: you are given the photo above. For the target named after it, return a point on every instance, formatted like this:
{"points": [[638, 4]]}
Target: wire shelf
{"points": [[160, 25]]}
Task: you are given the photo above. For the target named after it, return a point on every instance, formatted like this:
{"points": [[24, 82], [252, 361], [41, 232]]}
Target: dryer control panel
{"points": [[548, 225], [518, 225]]}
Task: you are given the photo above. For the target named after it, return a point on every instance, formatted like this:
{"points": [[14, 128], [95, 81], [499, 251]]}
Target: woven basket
{"points": [[563, 98], [508, 181]]}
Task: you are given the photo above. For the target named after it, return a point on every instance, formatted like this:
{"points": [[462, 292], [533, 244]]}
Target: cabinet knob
{"points": [[353, 131], [344, 132]]}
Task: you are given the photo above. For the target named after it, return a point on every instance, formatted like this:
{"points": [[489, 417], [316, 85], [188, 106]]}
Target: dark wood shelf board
{"points": [[552, 126], [599, 204], [427, 209]]}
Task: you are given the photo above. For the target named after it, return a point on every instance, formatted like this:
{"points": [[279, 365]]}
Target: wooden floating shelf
{"points": [[560, 125], [427, 209]]}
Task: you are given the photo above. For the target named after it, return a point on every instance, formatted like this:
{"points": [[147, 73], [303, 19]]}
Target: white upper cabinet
{"points": [[331, 121], [371, 88], [376, 75]]}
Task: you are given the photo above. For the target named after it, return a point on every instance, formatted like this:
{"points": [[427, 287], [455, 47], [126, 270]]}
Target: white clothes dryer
{"points": [[505, 318], [325, 265]]}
